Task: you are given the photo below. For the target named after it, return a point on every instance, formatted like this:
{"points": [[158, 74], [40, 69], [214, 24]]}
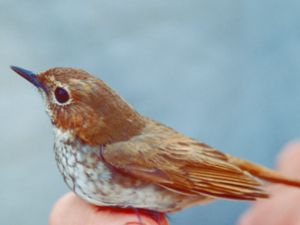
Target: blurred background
{"points": [[224, 72]]}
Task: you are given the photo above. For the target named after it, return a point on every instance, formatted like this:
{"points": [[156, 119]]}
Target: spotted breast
{"points": [[85, 172]]}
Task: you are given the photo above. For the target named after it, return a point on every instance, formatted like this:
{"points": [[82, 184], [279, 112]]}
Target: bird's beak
{"points": [[28, 75]]}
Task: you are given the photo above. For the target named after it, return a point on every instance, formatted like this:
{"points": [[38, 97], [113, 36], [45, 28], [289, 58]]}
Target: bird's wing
{"points": [[183, 165]]}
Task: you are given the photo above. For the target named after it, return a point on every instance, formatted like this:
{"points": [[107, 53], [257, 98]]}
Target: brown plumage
{"points": [[165, 157], [115, 151]]}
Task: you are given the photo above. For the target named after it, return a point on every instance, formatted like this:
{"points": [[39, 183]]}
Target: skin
{"points": [[283, 208], [71, 210]]}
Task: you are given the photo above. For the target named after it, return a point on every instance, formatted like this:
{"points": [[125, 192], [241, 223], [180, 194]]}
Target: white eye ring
{"points": [[61, 96]]}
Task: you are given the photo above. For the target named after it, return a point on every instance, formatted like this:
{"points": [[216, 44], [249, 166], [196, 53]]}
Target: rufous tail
{"points": [[263, 172]]}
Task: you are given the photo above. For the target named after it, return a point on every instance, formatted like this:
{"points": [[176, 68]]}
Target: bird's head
{"points": [[85, 106]]}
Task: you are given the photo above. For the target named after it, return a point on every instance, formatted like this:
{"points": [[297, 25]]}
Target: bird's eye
{"points": [[61, 95]]}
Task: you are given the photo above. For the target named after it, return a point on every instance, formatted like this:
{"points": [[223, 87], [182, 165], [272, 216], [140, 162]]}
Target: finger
{"points": [[289, 160], [72, 210], [282, 207], [130, 216]]}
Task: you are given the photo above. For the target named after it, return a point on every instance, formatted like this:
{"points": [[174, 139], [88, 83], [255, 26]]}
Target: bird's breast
{"points": [[92, 179]]}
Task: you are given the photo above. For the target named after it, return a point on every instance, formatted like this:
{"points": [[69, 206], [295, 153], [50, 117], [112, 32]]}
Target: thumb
{"points": [[282, 208], [289, 160]]}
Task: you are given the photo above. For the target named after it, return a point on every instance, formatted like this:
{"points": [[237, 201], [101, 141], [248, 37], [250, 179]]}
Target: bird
{"points": [[111, 155]]}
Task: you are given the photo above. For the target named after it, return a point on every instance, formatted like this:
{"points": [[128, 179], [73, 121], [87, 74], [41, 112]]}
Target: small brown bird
{"points": [[110, 155]]}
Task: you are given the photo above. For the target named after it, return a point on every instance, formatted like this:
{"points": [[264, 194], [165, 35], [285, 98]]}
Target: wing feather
{"points": [[183, 165]]}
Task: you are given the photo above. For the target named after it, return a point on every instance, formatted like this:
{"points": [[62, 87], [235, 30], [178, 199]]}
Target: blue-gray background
{"points": [[225, 72]]}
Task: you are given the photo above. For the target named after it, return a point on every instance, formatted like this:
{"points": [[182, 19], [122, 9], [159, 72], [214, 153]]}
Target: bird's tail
{"points": [[263, 172]]}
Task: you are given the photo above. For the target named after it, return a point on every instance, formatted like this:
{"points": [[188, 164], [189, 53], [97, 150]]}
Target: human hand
{"points": [[71, 210], [283, 208]]}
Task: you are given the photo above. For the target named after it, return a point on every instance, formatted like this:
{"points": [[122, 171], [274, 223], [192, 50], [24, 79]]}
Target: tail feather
{"points": [[263, 172]]}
